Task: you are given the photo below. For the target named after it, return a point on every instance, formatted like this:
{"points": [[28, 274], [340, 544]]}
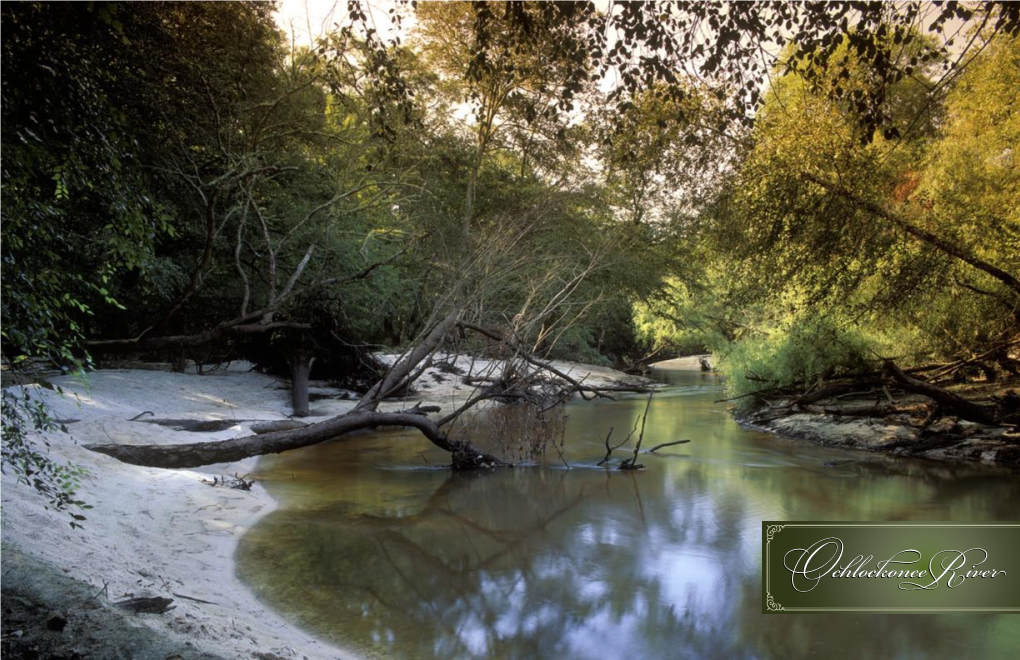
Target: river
{"points": [[376, 549]]}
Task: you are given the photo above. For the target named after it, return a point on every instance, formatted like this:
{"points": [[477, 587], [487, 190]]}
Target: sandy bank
{"points": [[688, 363], [161, 532], [168, 533]]}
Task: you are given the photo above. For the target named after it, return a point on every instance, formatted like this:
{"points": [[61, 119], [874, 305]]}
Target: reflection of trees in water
{"points": [[853, 635], [585, 563], [887, 488], [528, 564]]}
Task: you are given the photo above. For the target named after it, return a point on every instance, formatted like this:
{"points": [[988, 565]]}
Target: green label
{"points": [[890, 567]]}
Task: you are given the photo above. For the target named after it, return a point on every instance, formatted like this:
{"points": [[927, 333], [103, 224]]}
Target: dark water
{"points": [[374, 550]]}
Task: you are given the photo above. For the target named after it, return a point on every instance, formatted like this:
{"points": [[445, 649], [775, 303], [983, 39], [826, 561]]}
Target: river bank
{"points": [[853, 424], [868, 421], [169, 533]]}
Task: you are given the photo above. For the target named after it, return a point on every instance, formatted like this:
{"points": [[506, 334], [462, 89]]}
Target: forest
{"points": [[824, 197]]}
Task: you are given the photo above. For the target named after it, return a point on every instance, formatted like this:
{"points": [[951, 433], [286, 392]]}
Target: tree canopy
{"points": [[801, 187]]}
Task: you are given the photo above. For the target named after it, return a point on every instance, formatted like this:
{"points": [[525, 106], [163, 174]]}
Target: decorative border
{"points": [[770, 602], [771, 605]]}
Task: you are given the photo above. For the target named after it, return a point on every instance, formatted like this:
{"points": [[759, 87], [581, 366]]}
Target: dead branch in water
{"points": [[667, 444], [610, 450], [631, 463]]}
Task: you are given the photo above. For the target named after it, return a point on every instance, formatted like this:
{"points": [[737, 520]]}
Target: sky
{"points": [[306, 20], [301, 18]]}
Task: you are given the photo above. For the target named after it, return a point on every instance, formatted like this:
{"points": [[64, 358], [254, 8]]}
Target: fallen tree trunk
{"points": [[866, 411], [364, 416], [197, 454], [405, 370], [951, 403], [834, 389]]}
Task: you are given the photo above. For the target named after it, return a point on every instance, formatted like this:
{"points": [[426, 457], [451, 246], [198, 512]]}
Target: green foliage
{"points": [[75, 210], [784, 230], [678, 321], [791, 250], [796, 352], [170, 167], [969, 188], [58, 483]]}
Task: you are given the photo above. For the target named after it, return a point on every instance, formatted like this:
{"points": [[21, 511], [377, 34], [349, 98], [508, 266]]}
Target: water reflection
{"points": [[376, 550]]}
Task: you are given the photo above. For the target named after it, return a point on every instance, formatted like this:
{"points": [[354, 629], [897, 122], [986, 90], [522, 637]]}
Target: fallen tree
{"points": [[846, 393], [948, 401], [225, 451], [365, 415], [517, 373]]}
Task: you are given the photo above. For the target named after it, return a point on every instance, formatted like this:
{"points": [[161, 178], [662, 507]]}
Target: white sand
{"points": [[157, 532], [440, 387], [689, 363]]}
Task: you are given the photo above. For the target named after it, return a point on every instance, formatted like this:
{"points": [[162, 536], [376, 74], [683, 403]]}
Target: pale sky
{"points": [[306, 20], [316, 17]]}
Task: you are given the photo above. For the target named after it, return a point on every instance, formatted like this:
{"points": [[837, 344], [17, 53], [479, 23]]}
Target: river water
{"points": [[376, 549]]}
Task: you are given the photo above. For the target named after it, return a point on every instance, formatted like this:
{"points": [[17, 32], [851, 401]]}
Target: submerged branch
{"points": [[631, 463]]}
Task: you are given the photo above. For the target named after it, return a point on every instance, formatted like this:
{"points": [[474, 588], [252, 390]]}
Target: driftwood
{"points": [[997, 354], [834, 389], [235, 482], [271, 425], [195, 425], [950, 402], [892, 376], [154, 605], [867, 411]]}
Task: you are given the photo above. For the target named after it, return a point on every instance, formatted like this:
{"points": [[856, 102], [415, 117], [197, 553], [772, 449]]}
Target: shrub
{"points": [[794, 354]]}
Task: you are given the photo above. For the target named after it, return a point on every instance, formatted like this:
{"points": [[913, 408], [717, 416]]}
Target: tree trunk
{"points": [[950, 402], [197, 454], [179, 363], [300, 368], [948, 247], [398, 375]]}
